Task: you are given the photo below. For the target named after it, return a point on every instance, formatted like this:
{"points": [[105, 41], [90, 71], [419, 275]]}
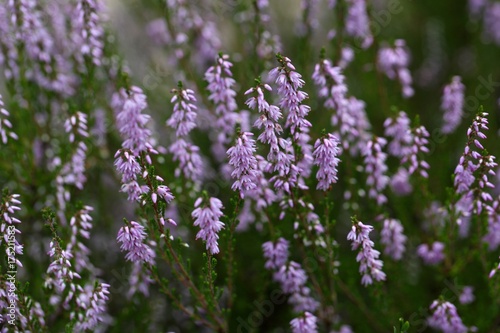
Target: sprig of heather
{"points": [[433, 254], [452, 104], [222, 94], [492, 238], [128, 105], [393, 239], [349, 118], [290, 275], [326, 152], [376, 169], [5, 124], [242, 159], [80, 223], [357, 23], [304, 324], [88, 30], [399, 130], [370, 266], [445, 318], [491, 22], [473, 198], [414, 156], [289, 83], [393, 62], [92, 307], [183, 121], [132, 237], [48, 70], [207, 216], [262, 194]]}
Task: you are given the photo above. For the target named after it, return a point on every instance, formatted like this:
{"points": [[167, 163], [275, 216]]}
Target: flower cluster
{"points": [[432, 255], [376, 169], [452, 103], [242, 159], [207, 218], [370, 266], [325, 155], [132, 238], [394, 62], [445, 318], [183, 121], [393, 239]]}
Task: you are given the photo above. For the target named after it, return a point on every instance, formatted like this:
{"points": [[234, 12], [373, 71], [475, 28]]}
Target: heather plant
{"points": [[249, 166]]}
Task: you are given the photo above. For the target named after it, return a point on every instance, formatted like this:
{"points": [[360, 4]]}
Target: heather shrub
{"points": [[249, 166]]}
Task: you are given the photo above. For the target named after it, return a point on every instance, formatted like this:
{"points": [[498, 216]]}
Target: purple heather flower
{"points": [[305, 324], [370, 267], [221, 87], [92, 302], [139, 281], [302, 301], [88, 32], [276, 253], [349, 117], [358, 23], [80, 223], [188, 156], [184, 116], [346, 57], [467, 295], [76, 124], [393, 239], [241, 157], [289, 83], [269, 119], [131, 122], [60, 274], [207, 217], [492, 22], [325, 154], [433, 255], [9, 205], [376, 169], [73, 172], [445, 318], [452, 103], [493, 235], [394, 62], [132, 238], [291, 277], [5, 124], [418, 147], [399, 130], [400, 182]]}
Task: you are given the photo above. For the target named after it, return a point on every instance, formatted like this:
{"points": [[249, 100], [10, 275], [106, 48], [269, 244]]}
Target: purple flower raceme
{"points": [[358, 23], [304, 324], [132, 237], [92, 306], [81, 223], [276, 253], [9, 206], [221, 87], [471, 173], [88, 30], [289, 83], [325, 154], [207, 217], [467, 295], [452, 103], [376, 169], [399, 130], [432, 255], [5, 124], [492, 22], [393, 239], [370, 266], [242, 159], [349, 117], [131, 123], [445, 318], [492, 238], [183, 121], [393, 62]]}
